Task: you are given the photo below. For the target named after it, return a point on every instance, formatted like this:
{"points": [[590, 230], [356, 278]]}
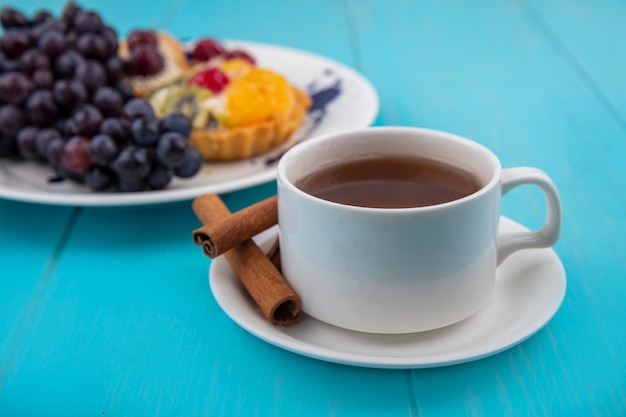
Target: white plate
{"points": [[355, 106], [530, 286]]}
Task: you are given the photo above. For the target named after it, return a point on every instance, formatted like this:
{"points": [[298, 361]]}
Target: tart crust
{"points": [[223, 144]]}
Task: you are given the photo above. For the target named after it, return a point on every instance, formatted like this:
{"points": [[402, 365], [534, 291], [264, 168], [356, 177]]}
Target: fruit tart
{"points": [[238, 109]]}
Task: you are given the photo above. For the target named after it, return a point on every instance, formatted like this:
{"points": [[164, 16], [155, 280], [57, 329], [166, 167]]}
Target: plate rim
{"points": [[117, 199], [281, 338]]}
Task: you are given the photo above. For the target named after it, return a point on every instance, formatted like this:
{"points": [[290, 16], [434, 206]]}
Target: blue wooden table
{"points": [[107, 311]]}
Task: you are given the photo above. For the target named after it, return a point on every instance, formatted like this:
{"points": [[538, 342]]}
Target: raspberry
{"points": [[206, 49], [213, 79], [240, 53]]}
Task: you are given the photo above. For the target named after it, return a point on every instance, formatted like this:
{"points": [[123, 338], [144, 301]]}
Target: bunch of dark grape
{"points": [[63, 102]]}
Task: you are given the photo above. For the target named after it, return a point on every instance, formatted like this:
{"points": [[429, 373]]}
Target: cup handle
{"points": [[548, 234]]}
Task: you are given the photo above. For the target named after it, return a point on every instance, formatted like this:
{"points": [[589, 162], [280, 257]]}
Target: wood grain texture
{"points": [[99, 317], [31, 240]]}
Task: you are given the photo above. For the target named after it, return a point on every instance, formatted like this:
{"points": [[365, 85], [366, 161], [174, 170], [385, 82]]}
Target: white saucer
{"points": [[530, 286]]}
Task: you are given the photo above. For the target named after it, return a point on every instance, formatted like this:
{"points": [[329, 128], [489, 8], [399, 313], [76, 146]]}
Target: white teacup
{"points": [[400, 270]]}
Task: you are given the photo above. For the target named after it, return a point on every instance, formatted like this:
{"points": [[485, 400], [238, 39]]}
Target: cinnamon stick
{"points": [[222, 235], [267, 287]]}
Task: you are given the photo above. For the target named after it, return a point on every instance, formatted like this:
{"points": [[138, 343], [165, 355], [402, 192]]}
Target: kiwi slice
{"points": [[183, 99]]}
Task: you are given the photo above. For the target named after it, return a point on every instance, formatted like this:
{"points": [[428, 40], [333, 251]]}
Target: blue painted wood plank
{"points": [[590, 35], [31, 238]]}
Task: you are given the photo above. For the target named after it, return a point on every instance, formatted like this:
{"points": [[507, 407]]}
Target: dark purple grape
{"points": [[99, 178], [125, 90], [43, 79], [87, 120], [9, 65], [69, 93], [64, 173], [15, 87], [8, 147], [176, 122], [43, 140], [145, 131], [92, 74], [75, 156], [159, 177], [115, 68], [12, 18], [12, 119], [114, 128], [191, 166], [55, 82], [86, 21], [71, 38], [93, 46], [54, 151], [26, 142], [65, 64], [42, 16], [108, 100], [110, 35], [38, 30], [145, 60], [136, 108], [132, 164], [52, 43], [171, 150], [41, 107], [103, 149], [32, 60], [67, 127], [14, 42], [126, 185], [70, 11]]}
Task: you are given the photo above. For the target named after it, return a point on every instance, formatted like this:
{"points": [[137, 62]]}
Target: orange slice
{"points": [[258, 96]]}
